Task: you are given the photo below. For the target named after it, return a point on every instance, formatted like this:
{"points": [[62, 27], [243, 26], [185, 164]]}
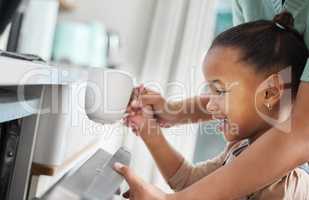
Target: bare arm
{"points": [[191, 110], [165, 156], [178, 173], [171, 113], [269, 158]]}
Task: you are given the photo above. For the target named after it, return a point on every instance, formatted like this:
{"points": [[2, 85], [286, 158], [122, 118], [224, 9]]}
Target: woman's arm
{"points": [[270, 157]]}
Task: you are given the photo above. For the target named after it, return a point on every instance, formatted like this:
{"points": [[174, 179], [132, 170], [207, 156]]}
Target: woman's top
{"points": [[250, 10]]}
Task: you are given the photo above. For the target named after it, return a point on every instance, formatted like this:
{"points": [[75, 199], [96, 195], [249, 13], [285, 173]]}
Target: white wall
{"points": [[131, 19]]}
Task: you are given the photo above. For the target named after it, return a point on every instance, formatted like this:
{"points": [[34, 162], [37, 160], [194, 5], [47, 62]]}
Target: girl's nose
{"points": [[212, 106]]}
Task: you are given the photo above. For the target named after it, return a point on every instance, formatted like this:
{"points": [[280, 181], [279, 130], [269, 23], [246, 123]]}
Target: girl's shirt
{"points": [[295, 185], [252, 10]]}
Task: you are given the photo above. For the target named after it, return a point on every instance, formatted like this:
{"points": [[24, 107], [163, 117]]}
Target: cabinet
{"points": [[25, 88]]}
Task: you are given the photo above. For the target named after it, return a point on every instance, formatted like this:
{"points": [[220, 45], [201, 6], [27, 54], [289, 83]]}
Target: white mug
{"points": [[108, 94]]}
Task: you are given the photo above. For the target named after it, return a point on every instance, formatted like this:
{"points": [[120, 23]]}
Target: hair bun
{"points": [[285, 19]]}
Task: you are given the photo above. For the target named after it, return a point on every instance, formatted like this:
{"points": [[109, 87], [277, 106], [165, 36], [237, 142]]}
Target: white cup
{"points": [[108, 94]]}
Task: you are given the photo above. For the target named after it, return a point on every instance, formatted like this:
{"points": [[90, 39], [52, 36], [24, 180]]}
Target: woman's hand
{"points": [[139, 189]]}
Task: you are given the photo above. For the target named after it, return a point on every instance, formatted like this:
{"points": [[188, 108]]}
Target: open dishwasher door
{"points": [[94, 180]]}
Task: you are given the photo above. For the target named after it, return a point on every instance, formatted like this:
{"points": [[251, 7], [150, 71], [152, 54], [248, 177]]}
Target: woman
{"points": [[274, 148]]}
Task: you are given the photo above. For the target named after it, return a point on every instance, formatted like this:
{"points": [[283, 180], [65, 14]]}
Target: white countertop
{"points": [[19, 72], [11, 108], [15, 72]]}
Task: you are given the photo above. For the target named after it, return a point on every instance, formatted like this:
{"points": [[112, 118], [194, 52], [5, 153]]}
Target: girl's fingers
{"points": [[134, 97], [129, 109], [132, 113], [135, 132], [135, 104], [164, 124], [132, 180], [143, 97], [123, 121], [161, 124], [148, 112], [126, 194], [128, 122], [150, 99], [133, 127], [141, 88]]}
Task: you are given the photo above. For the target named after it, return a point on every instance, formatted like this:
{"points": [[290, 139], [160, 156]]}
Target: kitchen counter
{"points": [[23, 87], [20, 72]]}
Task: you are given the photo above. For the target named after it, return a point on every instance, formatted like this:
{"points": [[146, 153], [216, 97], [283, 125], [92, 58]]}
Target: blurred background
{"points": [[158, 41]]}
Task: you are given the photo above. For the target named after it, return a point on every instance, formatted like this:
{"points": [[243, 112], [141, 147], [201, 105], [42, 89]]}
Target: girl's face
{"points": [[232, 86]]}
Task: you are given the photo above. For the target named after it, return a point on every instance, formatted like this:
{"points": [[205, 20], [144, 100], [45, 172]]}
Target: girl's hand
{"points": [[139, 189], [143, 97], [141, 122]]}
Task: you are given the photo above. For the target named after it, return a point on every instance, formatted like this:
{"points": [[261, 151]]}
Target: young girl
{"points": [[244, 71]]}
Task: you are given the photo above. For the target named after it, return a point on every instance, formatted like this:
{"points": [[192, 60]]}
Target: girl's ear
{"points": [[274, 88]]}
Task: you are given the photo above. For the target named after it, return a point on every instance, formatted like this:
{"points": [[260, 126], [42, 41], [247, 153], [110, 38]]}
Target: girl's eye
{"points": [[221, 92], [217, 91]]}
